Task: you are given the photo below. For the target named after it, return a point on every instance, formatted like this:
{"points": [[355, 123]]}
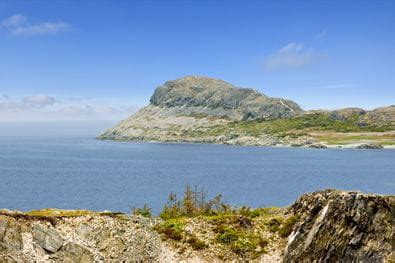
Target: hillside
{"points": [[325, 226], [207, 110]]}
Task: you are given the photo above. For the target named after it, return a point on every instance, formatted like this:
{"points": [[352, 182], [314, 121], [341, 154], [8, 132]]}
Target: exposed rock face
{"points": [[344, 114], [85, 238], [336, 226], [48, 238], [369, 146], [328, 226], [219, 98]]}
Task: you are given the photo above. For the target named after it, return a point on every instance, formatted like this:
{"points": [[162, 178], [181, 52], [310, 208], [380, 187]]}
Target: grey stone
{"points": [[48, 238]]}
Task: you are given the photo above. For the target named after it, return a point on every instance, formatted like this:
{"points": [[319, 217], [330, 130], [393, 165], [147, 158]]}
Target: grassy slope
{"points": [[318, 125]]}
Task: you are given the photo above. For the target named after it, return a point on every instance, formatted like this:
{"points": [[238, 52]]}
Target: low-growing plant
{"points": [[144, 211], [274, 224], [227, 236], [286, 228], [170, 229], [196, 243]]}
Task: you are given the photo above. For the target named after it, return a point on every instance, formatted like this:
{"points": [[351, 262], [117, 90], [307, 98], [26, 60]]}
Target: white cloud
{"points": [[14, 21], [292, 55], [45, 108], [39, 101], [18, 25]]}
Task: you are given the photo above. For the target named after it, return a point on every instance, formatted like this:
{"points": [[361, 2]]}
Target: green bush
{"points": [[227, 236], [286, 228], [171, 229], [196, 243], [145, 211]]}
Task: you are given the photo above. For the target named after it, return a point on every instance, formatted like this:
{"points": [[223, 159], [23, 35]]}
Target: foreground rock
{"points": [[335, 226], [326, 226]]}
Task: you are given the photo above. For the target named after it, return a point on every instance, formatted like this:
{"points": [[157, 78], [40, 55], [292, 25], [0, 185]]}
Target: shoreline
{"points": [[326, 146]]}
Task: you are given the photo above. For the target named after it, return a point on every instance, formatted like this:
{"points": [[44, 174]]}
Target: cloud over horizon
{"points": [[48, 108], [18, 25], [293, 55]]}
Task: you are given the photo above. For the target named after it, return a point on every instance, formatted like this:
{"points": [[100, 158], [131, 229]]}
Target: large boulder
{"points": [[338, 226], [10, 233], [46, 237]]}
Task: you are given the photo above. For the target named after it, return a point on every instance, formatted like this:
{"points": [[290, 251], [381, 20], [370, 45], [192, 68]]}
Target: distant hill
{"points": [[208, 110]]}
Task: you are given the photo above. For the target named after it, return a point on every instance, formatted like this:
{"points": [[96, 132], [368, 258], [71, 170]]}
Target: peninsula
{"points": [[206, 110]]}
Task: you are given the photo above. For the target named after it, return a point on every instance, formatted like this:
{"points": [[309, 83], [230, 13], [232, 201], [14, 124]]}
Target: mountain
{"points": [[201, 95], [208, 110]]}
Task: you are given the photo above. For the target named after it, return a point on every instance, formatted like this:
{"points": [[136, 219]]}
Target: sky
{"points": [[101, 60]]}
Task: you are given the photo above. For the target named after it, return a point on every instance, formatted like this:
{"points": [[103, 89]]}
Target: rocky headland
{"points": [[324, 226], [207, 110]]}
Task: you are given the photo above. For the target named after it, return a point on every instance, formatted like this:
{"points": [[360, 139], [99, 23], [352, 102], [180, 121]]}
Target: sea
{"points": [[69, 168]]}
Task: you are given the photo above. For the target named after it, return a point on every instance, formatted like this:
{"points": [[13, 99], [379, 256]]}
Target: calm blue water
{"points": [[85, 173]]}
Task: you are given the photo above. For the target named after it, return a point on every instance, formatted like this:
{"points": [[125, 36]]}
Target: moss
{"points": [[51, 212]]}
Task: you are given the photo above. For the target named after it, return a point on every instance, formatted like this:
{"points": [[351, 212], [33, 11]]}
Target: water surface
{"points": [[86, 173]]}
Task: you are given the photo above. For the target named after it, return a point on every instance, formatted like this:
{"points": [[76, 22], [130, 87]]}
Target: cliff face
{"points": [[336, 226], [218, 98], [325, 226]]}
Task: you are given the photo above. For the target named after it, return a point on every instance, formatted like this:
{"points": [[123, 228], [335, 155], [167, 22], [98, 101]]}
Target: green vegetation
{"points": [[52, 212], [144, 211], [296, 126], [199, 224], [336, 138], [286, 228]]}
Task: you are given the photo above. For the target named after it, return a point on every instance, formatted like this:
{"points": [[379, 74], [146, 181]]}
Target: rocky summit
{"points": [[208, 110], [324, 226], [218, 98]]}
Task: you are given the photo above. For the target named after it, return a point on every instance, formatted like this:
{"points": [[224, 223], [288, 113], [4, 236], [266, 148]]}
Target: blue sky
{"points": [[103, 59]]}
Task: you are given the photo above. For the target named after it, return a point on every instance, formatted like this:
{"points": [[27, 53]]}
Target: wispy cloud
{"points": [[39, 101], [45, 107], [292, 55], [19, 25]]}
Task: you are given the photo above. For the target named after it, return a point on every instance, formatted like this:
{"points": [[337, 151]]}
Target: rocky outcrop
{"points": [[88, 237], [337, 226], [369, 146], [324, 226], [218, 98], [181, 106]]}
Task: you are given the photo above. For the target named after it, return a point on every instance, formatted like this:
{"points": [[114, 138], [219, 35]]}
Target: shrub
{"points": [[145, 211], [227, 236], [242, 247], [286, 228], [196, 243], [274, 224], [170, 229], [193, 203]]}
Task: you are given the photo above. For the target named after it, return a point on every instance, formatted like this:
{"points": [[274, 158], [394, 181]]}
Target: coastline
{"points": [[326, 146]]}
